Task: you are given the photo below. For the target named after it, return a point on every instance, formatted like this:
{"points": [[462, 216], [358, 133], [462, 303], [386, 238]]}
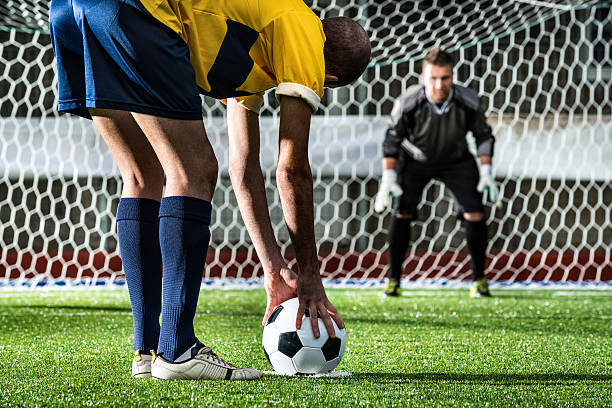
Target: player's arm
{"points": [[294, 179], [248, 184], [483, 134], [391, 148], [485, 145]]}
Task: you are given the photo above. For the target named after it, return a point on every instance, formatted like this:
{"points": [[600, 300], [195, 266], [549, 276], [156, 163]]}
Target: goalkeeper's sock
{"points": [[476, 234], [399, 239], [184, 235], [137, 230]]}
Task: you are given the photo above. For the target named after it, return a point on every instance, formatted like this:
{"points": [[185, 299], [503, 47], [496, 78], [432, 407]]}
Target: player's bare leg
{"points": [[141, 172], [137, 227], [185, 154], [190, 166]]}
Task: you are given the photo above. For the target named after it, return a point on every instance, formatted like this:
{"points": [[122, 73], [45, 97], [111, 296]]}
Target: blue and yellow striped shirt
{"points": [[240, 48]]}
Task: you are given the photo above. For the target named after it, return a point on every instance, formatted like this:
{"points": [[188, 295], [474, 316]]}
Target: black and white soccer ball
{"points": [[298, 352]]}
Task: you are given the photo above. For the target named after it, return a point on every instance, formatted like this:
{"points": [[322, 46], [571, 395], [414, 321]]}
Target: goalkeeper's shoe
{"points": [[141, 365], [392, 288], [480, 288], [203, 365]]}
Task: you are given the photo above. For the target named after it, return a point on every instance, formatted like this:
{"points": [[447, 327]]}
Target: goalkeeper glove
{"points": [[486, 185], [388, 186]]}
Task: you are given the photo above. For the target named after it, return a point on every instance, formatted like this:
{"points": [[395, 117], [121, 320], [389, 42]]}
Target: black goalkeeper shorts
{"points": [[461, 178]]}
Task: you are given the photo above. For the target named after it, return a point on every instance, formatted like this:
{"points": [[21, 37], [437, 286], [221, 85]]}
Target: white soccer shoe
{"points": [[141, 365], [203, 365]]}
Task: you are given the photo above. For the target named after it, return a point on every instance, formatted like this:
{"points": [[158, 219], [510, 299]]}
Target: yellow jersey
{"points": [[240, 48]]}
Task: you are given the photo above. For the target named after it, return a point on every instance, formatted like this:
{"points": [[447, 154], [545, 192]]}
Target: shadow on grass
{"points": [[228, 313], [73, 307], [491, 379]]}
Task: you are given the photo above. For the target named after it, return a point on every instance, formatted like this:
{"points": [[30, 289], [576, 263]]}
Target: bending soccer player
{"points": [[136, 67], [426, 139]]}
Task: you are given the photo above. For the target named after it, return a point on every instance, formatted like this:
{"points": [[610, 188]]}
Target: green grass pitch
{"points": [[428, 348]]}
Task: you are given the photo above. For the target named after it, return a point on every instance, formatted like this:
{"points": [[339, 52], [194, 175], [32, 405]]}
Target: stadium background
{"points": [[544, 72]]}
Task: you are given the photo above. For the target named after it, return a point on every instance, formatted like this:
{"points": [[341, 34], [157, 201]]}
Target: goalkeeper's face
{"points": [[438, 81]]}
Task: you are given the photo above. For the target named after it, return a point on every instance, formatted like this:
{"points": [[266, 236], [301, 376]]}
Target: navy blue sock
{"points": [[477, 240], [184, 235], [137, 230], [399, 240]]}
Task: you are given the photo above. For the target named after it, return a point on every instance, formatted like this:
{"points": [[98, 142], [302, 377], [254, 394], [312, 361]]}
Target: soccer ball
{"points": [[298, 352]]}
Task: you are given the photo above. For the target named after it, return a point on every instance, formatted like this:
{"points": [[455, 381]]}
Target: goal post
{"points": [[544, 74]]}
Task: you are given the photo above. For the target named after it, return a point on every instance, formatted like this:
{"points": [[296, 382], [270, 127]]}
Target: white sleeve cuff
{"points": [[389, 176], [299, 91], [486, 169]]}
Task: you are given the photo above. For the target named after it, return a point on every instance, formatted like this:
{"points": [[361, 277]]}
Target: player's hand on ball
{"points": [[314, 304], [388, 187], [487, 185], [281, 285]]}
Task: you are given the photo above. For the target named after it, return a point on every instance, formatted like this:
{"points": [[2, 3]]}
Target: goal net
{"points": [[543, 70]]}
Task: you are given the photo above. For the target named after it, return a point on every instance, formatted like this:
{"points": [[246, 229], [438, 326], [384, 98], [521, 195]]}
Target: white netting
{"points": [[542, 68]]}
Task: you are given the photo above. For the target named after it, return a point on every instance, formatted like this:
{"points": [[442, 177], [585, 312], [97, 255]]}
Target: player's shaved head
{"points": [[347, 49]]}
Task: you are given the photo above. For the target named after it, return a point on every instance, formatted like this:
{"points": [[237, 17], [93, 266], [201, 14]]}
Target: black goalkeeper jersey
{"points": [[437, 135]]}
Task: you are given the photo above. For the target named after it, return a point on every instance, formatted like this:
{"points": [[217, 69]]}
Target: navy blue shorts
{"points": [[460, 177], [114, 54]]}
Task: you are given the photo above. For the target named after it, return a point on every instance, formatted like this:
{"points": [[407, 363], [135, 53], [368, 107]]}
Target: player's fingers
{"points": [[314, 320], [484, 194], [376, 206], [498, 201], [329, 326], [269, 310], [299, 316], [333, 312], [383, 198], [381, 202]]}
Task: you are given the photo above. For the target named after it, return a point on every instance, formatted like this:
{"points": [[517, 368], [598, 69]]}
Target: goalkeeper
{"points": [[426, 139]]}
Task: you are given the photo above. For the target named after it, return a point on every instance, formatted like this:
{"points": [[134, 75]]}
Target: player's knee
{"points": [[202, 177], [146, 181], [211, 173], [473, 216]]}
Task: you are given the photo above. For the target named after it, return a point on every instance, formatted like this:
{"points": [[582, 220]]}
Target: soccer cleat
{"points": [[203, 365], [480, 288], [392, 288], [141, 365]]}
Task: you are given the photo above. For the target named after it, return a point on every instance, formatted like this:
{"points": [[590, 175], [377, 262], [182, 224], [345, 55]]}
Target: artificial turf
{"points": [[427, 348]]}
